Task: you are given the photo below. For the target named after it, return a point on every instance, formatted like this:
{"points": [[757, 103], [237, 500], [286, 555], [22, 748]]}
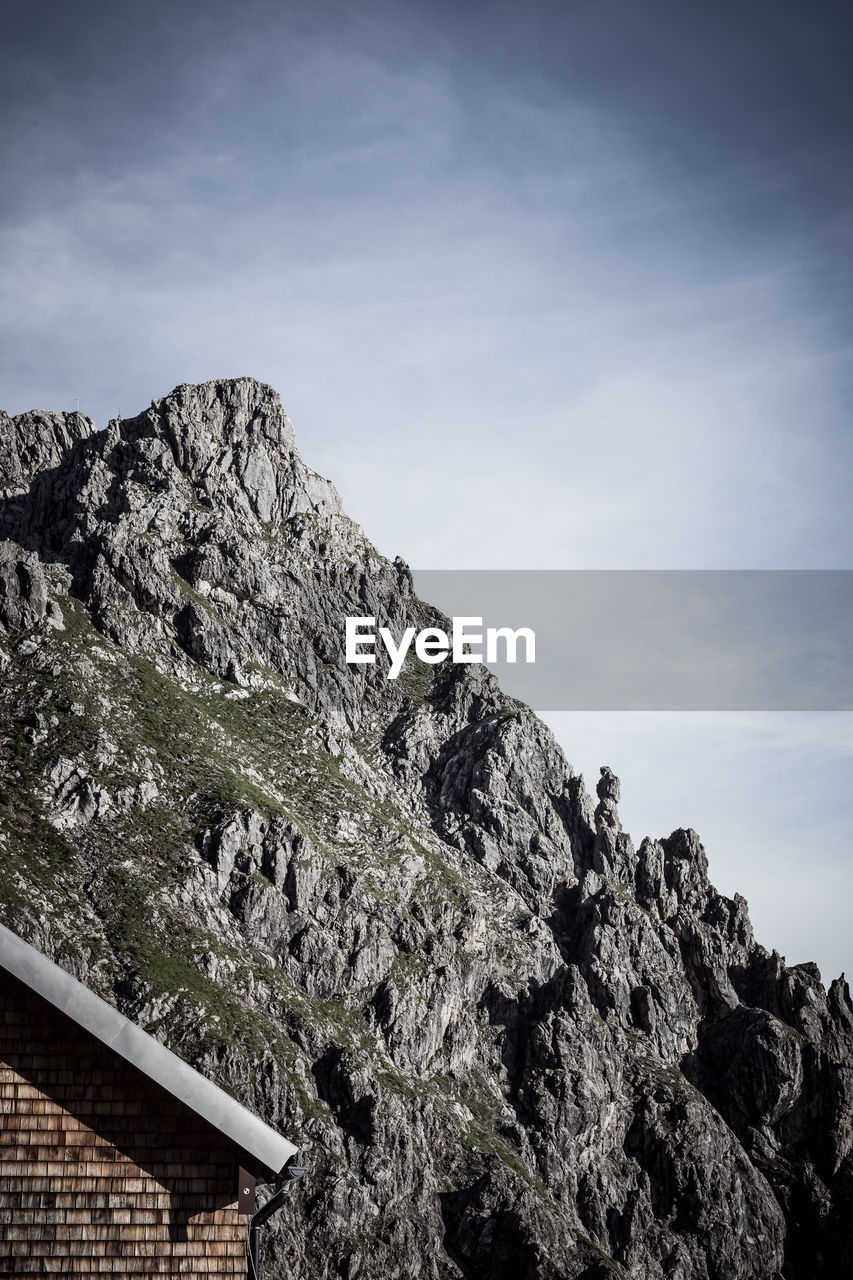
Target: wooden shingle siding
{"points": [[102, 1172]]}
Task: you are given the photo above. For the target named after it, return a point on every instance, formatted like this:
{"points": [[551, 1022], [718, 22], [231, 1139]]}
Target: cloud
{"points": [[553, 384]]}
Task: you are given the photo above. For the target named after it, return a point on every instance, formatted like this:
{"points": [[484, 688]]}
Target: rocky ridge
{"points": [[388, 916]]}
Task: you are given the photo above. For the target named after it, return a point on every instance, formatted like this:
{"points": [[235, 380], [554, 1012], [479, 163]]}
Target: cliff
{"points": [[386, 915]]}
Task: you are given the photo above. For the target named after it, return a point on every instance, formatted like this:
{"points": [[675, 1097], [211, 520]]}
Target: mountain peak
{"points": [[386, 910], [232, 438]]}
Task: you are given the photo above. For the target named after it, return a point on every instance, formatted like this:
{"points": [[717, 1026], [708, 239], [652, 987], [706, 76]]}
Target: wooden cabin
{"points": [[116, 1157]]}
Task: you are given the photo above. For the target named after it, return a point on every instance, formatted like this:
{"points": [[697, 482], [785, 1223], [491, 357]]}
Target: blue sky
{"points": [[543, 286]]}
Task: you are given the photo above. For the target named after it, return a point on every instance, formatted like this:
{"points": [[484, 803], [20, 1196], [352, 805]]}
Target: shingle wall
{"points": [[101, 1171]]}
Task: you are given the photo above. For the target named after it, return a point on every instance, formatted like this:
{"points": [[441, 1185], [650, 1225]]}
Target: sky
{"points": [[550, 286]]}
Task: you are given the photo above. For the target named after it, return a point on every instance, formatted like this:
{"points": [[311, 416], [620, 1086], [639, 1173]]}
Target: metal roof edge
{"points": [[242, 1127]]}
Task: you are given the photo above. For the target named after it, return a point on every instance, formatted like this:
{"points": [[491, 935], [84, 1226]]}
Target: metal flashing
{"points": [[113, 1029]]}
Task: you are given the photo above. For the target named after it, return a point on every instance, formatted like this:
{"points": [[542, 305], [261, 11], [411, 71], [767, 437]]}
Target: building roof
{"points": [[153, 1059]]}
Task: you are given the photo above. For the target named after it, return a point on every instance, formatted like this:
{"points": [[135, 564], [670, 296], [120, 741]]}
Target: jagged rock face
{"points": [[385, 914], [37, 442]]}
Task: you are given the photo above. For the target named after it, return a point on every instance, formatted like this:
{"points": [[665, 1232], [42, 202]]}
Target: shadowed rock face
{"points": [[386, 915]]}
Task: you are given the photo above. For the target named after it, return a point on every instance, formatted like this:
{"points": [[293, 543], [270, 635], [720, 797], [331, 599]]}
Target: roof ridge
{"points": [[76, 1001]]}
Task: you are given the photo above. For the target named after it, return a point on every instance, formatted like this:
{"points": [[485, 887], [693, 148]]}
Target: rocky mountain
{"points": [[387, 915]]}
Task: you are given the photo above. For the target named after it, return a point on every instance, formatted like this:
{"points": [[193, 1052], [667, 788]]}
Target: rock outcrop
{"points": [[387, 915]]}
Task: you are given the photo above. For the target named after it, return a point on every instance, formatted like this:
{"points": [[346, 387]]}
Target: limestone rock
{"points": [[387, 915]]}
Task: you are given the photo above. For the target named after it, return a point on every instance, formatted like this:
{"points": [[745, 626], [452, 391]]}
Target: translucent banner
{"points": [[669, 640]]}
